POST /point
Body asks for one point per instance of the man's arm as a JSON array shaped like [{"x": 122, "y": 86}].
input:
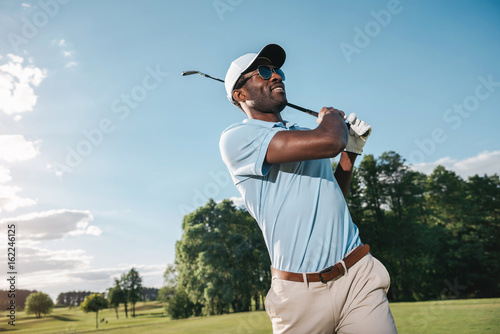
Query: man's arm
[
  {"x": 358, "y": 134},
  {"x": 326, "y": 141},
  {"x": 343, "y": 173}
]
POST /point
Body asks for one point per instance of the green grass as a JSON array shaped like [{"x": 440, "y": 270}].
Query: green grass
[{"x": 453, "y": 316}]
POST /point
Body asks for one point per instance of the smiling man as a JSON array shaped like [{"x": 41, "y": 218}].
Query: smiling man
[{"x": 324, "y": 279}]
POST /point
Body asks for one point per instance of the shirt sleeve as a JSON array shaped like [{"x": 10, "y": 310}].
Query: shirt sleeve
[{"x": 244, "y": 147}]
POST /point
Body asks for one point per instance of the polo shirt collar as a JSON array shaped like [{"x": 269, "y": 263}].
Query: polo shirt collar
[{"x": 287, "y": 125}]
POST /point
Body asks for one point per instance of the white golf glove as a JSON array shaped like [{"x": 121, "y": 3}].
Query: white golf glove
[{"x": 359, "y": 132}]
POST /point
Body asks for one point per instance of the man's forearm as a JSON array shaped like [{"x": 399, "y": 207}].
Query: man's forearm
[{"x": 343, "y": 173}]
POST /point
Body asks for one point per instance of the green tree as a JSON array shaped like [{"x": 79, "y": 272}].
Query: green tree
[
  {"x": 94, "y": 303},
  {"x": 446, "y": 199},
  {"x": 39, "y": 303},
  {"x": 355, "y": 199},
  {"x": 169, "y": 284},
  {"x": 437, "y": 235},
  {"x": 389, "y": 208},
  {"x": 468, "y": 212},
  {"x": 122, "y": 282},
  {"x": 132, "y": 284},
  {"x": 220, "y": 259},
  {"x": 483, "y": 194},
  {"x": 408, "y": 254},
  {"x": 116, "y": 296},
  {"x": 179, "y": 305}
]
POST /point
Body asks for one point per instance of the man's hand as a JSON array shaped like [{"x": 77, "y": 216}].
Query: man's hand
[
  {"x": 329, "y": 110},
  {"x": 359, "y": 132}
]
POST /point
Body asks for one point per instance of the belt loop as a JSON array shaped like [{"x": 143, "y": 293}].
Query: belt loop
[
  {"x": 306, "y": 281},
  {"x": 345, "y": 267}
]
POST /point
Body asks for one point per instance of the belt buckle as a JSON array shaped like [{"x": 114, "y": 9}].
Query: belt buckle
[{"x": 324, "y": 271}]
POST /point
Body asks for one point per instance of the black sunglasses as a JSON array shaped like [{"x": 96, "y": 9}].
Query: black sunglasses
[{"x": 265, "y": 73}]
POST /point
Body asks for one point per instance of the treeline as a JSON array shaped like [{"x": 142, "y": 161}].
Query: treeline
[
  {"x": 127, "y": 290},
  {"x": 72, "y": 298},
  {"x": 438, "y": 236},
  {"x": 75, "y": 298},
  {"x": 20, "y": 298},
  {"x": 149, "y": 294}
]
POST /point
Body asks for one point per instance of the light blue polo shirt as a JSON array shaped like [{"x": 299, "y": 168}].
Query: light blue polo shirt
[{"x": 299, "y": 206}]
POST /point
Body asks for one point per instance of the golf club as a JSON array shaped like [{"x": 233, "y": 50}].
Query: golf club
[{"x": 307, "y": 111}]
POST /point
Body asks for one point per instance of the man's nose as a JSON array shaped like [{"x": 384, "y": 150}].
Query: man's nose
[{"x": 276, "y": 77}]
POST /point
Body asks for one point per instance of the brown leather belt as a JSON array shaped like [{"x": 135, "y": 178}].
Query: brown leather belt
[{"x": 326, "y": 274}]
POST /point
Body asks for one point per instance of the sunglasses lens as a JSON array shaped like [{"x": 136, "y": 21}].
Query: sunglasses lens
[
  {"x": 265, "y": 72},
  {"x": 280, "y": 73}
]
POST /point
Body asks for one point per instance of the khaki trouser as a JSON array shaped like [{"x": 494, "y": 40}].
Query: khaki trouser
[{"x": 355, "y": 303}]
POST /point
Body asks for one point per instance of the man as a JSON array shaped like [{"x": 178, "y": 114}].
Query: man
[{"x": 324, "y": 279}]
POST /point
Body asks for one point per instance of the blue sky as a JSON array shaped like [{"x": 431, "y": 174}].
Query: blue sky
[{"x": 105, "y": 146}]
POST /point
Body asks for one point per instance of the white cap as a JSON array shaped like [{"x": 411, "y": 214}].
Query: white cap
[{"x": 273, "y": 52}]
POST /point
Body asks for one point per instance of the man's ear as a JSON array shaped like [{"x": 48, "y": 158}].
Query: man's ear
[{"x": 239, "y": 95}]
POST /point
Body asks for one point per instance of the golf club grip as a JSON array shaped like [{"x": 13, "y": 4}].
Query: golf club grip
[
  {"x": 313, "y": 113},
  {"x": 307, "y": 111}
]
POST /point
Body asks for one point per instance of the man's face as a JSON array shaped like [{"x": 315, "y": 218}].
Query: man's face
[{"x": 266, "y": 96}]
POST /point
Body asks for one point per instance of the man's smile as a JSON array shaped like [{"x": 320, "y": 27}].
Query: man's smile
[{"x": 279, "y": 87}]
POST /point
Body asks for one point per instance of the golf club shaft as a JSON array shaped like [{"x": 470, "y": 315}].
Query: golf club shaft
[{"x": 307, "y": 111}]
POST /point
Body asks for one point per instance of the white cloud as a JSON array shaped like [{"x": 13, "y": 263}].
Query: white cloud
[
  {"x": 116, "y": 271},
  {"x": 93, "y": 230},
  {"x": 17, "y": 83},
  {"x": 484, "y": 163},
  {"x": 10, "y": 200},
  {"x": 54, "y": 224},
  {"x": 26, "y": 5},
  {"x": 238, "y": 201},
  {"x": 14, "y": 148},
  {"x": 17, "y": 148},
  {"x": 67, "y": 52},
  {"x": 4, "y": 175},
  {"x": 428, "y": 167},
  {"x": 35, "y": 259}
]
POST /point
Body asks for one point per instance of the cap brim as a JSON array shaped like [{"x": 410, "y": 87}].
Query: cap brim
[{"x": 273, "y": 52}]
